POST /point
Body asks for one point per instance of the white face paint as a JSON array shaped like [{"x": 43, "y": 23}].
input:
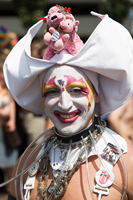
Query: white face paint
[{"x": 66, "y": 96}]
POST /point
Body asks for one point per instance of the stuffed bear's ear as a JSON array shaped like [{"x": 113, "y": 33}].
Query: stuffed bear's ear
[{"x": 76, "y": 26}]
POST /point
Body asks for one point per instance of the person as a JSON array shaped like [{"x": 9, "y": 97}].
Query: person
[
  {"x": 8, "y": 155},
  {"x": 33, "y": 123},
  {"x": 121, "y": 120},
  {"x": 80, "y": 157}
]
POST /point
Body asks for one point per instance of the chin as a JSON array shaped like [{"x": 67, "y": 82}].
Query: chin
[{"x": 67, "y": 131}]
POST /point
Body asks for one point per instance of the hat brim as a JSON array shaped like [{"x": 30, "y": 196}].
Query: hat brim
[{"x": 108, "y": 52}]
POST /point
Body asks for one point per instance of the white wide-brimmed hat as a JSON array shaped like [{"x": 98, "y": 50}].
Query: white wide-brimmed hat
[{"x": 106, "y": 58}]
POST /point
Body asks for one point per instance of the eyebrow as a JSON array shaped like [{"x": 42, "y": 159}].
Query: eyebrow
[
  {"x": 48, "y": 87},
  {"x": 76, "y": 84}
]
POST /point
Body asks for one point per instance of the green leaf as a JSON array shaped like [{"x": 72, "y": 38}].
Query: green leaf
[{"x": 30, "y": 11}]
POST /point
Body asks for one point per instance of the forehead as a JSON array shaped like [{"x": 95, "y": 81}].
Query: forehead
[{"x": 62, "y": 71}]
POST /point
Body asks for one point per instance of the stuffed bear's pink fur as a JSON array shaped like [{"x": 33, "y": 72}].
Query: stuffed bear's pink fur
[{"x": 67, "y": 26}]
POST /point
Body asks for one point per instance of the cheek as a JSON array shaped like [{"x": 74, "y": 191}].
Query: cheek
[
  {"x": 90, "y": 89},
  {"x": 91, "y": 97},
  {"x": 50, "y": 104},
  {"x": 82, "y": 103}
]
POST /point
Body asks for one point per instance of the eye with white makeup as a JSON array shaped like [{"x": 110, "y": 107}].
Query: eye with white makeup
[
  {"x": 51, "y": 92},
  {"x": 75, "y": 91}
]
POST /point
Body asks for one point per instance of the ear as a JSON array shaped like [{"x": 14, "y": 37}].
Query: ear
[
  {"x": 97, "y": 99},
  {"x": 76, "y": 23},
  {"x": 76, "y": 26}
]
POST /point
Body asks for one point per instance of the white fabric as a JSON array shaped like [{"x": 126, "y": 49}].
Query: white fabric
[{"x": 108, "y": 54}]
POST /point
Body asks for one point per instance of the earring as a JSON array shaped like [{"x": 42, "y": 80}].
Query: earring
[
  {"x": 89, "y": 105},
  {"x": 44, "y": 104}
]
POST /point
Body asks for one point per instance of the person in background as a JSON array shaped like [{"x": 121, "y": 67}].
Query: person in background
[
  {"x": 33, "y": 123},
  {"x": 121, "y": 120},
  {"x": 8, "y": 155}
]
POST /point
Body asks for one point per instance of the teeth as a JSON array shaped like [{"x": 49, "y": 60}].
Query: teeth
[{"x": 67, "y": 116}]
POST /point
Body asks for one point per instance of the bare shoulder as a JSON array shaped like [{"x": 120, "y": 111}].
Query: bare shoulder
[
  {"x": 129, "y": 165},
  {"x": 129, "y": 159},
  {"x": 19, "y": 168},
  {"x": 129, "y": 155}
]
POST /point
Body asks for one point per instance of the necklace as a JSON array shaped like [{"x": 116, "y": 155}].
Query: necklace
[
  {"x": 43, "y": 167},
  {"x": 62, "y": 177},
  {"x": 76, "y": 137}
]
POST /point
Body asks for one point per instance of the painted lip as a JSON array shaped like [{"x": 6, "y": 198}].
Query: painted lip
[
  {"x": 67, "y": 120},
  {"x": 61, "y": 28}
]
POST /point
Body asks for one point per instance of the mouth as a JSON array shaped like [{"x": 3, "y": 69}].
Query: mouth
[
  {"x": 54, "y": 17},
  {"x": 55, "y": 21},
  {"x": 67, "y": 117},
  {"x": 61, "y": 27}
]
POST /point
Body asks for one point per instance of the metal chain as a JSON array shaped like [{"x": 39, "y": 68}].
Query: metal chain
[
  {"x": 66, "y": 176},
  {"x": 43, "y": 167}
]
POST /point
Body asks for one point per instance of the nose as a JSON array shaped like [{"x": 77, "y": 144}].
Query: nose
[
  {"x": 62, "y": 23},
  {"x": 65, "y": 102}
]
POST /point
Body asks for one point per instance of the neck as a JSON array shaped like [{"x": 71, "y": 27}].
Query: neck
[{"x": 77, "y": 137}]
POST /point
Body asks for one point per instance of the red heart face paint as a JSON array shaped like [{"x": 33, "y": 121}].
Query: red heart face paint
[{"x": 66, "y": 93}]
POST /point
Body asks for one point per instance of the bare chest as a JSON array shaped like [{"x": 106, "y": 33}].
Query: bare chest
[{"x": 81, "y": 185}]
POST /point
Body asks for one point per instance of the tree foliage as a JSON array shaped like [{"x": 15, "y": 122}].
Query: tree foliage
[
  {"x": 30, "y": 10},
  {"x": 116, "y": 9}
]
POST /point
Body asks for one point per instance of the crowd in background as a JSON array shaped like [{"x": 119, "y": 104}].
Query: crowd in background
[
  {"x": 23, "y": 126},
  {"x": 18, "y": 127}
]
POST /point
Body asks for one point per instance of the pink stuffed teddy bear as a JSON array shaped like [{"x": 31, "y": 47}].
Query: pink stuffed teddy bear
[{"x": 61, "y": 32}]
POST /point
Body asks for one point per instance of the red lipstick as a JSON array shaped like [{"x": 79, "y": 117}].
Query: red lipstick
[{"x": 64, "y": 119}]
